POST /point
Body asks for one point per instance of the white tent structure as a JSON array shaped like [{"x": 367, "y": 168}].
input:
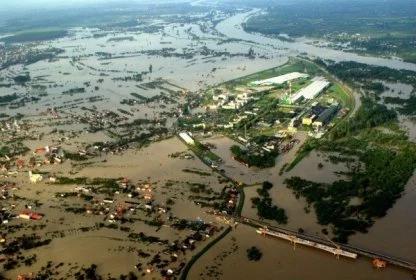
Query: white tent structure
[{"x": 280, "y": 79}]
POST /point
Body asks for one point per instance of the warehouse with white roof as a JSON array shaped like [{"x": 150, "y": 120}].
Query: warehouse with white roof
[
  {"x": 312, "y": 90},
  {"x": 280, "y": 79}
]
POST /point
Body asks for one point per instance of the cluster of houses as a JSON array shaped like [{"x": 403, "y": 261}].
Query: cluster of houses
[
  {"x": 30, "y": 215},
  {"x": 115, "y": 209},
  {"x": 41, "y": 156},
  {"x": 231, "y": 199},
  {"x": 9, "y": 125},
  {"x": 108, "y": 147},
  {"x": 21, "y": 53},
  {"x": 47, "y": 155},
  {"x": 7, "y": 213},
  {"x": 169, "y": 264},
  {"x": 100, "y": 120},
  {"x": 231, "y": 102},
  {"x": 281, "y": 142}
]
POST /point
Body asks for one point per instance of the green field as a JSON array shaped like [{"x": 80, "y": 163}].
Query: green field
[{"x": 337, "y": 92}]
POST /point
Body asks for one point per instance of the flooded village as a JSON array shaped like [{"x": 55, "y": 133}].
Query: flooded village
[{"x": 182, "y": 147}]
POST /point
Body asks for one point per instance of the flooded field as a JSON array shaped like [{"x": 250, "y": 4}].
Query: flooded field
[
  {"x": 116, "y": 253},
  {"x": 109, "y": 104},
  {"x": 282, "y": 196},
  {"x": 228, "y": 260}
]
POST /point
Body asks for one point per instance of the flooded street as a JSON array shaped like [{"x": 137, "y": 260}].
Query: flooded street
[{"x": 97, "y": 99}]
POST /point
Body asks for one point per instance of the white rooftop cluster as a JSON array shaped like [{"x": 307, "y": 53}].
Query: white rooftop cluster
[{"x": 280, "y": 79}]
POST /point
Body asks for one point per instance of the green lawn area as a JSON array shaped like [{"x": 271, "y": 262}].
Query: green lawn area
[
  {"x": 299, "y": 84},
  {"x": 201, "y": 151},
  {"x": 337, "y": 92},
  {"x": 408, "y": 56}
]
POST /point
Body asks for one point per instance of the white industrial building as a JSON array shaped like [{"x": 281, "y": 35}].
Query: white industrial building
[
  {"x": 312, "y": 90},
  {"x": 187, "y": 138},
  {"x": 280, "y": 79}
]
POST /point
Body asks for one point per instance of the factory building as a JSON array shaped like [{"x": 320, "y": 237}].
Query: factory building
[
  {"x": 311, "y": 91},
  {"x": 187, "y": 138},
  {"x": 280, "y": 79},
  {"x": 326, "y": 116},
  {"x": 313, "y": 114},
  {"x": 309, "y": 119}
]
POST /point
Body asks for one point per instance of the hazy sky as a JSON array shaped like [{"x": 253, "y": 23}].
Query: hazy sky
[
  {"x": 40, "y": 4},
  {"x": 6, "y": 5}
]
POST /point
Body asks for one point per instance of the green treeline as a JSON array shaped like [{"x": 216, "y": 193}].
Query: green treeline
[
  {"x": 408, "y": 106},
  {"x": 352, "y": 72},
  {"x": 265, "y": 207},
  {"x": 261, "y": 159},
  {"x": 8, "y": 98}
]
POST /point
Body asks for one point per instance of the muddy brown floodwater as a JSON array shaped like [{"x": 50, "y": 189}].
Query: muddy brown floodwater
[
  {"x": 392, "y": 235},
  {"x": 228, "y": 260}
]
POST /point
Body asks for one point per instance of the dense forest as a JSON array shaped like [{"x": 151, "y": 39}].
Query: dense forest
[{"x": 353, "y": 72}]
